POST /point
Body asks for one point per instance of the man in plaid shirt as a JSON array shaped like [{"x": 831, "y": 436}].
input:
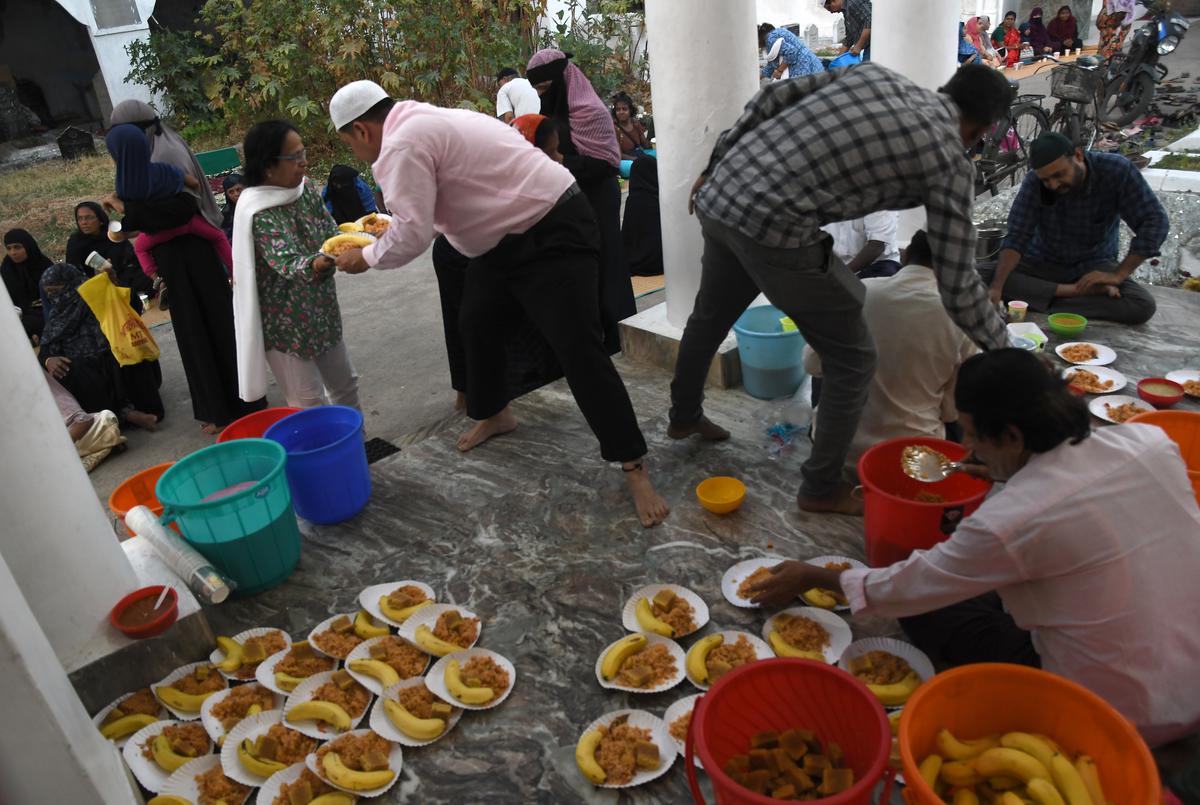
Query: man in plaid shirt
[
  {"x": 1061, "y": 252},
  {"x": 807, "y": 152},
  {"x": 857, "y": 16}
]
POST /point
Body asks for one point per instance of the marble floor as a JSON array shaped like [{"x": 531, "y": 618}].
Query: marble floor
[{"x": 535, "y": 534}]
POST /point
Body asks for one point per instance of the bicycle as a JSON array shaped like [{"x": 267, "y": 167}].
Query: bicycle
[
  {"x": 1005, "y": 150},
  {"x": 1079, "y": 89}
]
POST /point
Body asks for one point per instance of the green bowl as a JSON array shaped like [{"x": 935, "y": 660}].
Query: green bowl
[{"x": 1067, "y": 323}]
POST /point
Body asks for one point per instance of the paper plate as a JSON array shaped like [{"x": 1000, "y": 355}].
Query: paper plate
[
  {"x": 678, "y": 709},
  {"x": 436, "y": 678},
  {"x": 177, "y": 674},
  {"x": 912, "y": 655},
  {"x": 735, "y": 575},
  {"x": 323, "y": 626},
  {"x": 265, "y": 672},
  {"x": 699, "y": 608},
  {"x": 1182, "y": 376},
  {"x": 1104, "y": 355},
  {"x": 1118, "y": 380},
  {"x": 659, "y": 736},
  {"x": 383, "y": 725},
  {"x": 429, "y": 615},
  {"x": 761, "y": 650},
  {"x": 839, "y": 633},
  {"x": 1097, "y": 405},
  {"x": 821, "y": 561},
  {"x": 120, "y": 742},
  {"x": 363, "y": 652},
  {"x": 251, "y": 728},
  {"x": 368, "y": 599},
  {"x": 212, "y": 725},
  {"x": 271, "y": 788},
  {"x": 183, "y": 782},
  {"x": 395, "y": 763},
  {"x": 218, "y": 655},
  {"x": 383, "y": 216},
  {"x": 304, "y": 693},
  {"x": 147, "y": 772},
  {"x": 325, "y": 246},
  {"x": 651, "y": 639}
]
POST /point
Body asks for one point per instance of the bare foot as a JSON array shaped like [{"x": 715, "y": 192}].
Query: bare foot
[
  {"x": 651, "y": 508},
  {"x": 503, "y": 422},
  {"x": 840, "y": 501},
  {"x": 708, "y": 430},
  {"x": 210, "y": 428},
  {"x": 142, "y": 420},
  {"x": 460, "y": 401}
]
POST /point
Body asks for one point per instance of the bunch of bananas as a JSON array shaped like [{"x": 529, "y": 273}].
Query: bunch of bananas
[{"x": 1010, "y": 769}]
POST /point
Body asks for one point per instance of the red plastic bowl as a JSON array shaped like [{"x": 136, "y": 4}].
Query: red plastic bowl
[
  {"x": 155, "y": 627},
  {"x": 1161, "y": 400}
]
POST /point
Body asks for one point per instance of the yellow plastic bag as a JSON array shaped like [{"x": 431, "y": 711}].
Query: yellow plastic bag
[{"x": 127, "y": 334}]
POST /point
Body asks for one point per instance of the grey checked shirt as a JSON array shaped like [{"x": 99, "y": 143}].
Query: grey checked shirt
[
  {"x": 857, "y": 16},
  {"x": 836, "y": 146}
]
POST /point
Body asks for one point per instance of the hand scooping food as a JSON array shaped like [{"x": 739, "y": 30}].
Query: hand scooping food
[{"x": 928, "y": 465}]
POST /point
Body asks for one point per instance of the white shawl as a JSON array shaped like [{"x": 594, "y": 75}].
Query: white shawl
[{"x": 247, "y": 320}]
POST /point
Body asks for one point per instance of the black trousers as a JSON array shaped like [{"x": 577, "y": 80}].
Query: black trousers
[
  {"x": 549, "y": 272},
  {"x": 616, "y": 291},
  {"x": 975, "y": 630}
]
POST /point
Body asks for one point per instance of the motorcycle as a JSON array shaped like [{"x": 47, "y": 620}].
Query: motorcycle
[{"x": 1131, "y": 78}]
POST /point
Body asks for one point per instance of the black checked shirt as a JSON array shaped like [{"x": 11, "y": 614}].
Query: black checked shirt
[
  {"x": 857, "y": 16},
  {"x": 836, "y": 146}
]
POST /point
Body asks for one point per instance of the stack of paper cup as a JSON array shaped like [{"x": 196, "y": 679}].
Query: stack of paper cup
[{"x": 202, "y": 578}]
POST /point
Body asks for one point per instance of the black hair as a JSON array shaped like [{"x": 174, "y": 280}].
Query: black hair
[
  {"x": 376, "y": 114},
  {"x": 505, "y": 73},
  {"x": 983, "y": 95},
  {"x": 763, "y": 30},
  {"x": 1008, "y": 14},
  {"x": 1013, "y": 387},
  {"x": 545, "y": 129},
  {"x": 918, "y": 252},
  {"x": 261, "y": 149},
  {"x": 623, "y": 97}
]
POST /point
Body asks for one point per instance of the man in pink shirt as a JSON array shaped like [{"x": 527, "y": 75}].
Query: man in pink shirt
[
  {"x": 533, "y": 243},
  {"x": 1085, "y": 562}
]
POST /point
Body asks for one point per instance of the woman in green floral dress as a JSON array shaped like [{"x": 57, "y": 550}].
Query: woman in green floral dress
[{"x": 285, "y": 301}]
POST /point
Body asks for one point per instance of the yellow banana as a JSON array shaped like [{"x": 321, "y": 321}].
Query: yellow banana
[
  {"x": 783, "y": 648},
  {"x": 1069, "y": 782},
  {"x": 402, "y": 614},
  {"x": 286, "y": 681},
  {"x": 420, "y": 729},
  {"x": 183, "y": 702},
  {"x": 585, "y": 757},
  {"x": 1091, "y": 778},
  {"x": 930, "y": 768},
  {"x": 253, "y": 710},
  {"x": 344, "y": 777},
  {"x": 355, "y": 239},
  {"x": 894, "y": 721},
  {"x": 366, "y": 627},
  {"x": 255, "y": 765},
  {"x": 1030, "y": 745},
  {"x": 1050, "y": 742},
  {"x": 334, "y": 798},
  {"x": 1044, "y": 793},
  {"x": 1009, "y": 798},
  {"x": 332, "y": 714},
  {"x": 233, "y": 654},
  {"x": 954, "y": 749},
  {"x": 698, "y": 653},
  {"x": 385, "y": 673},
  {"x": 648, "y": 621},
  {"x": 897, "y": 693},
  {"x": 167, "y": 758},
  {"x": 820, "y": 598},
  {"x": 610, "y": 665},
  {"x": 960, "y": 773},
  {"x": 965, "y": 796},
  {"x": 126, "y": 725},
  {"x": 170, "y": 799},
  {"x": 1003, "y": 783},
  {"x": 350, "y": 226},
  {"x": 430, "y": 643},
  {"x": 459, "y": 690},
  {"x": 1005, "y": 762}
]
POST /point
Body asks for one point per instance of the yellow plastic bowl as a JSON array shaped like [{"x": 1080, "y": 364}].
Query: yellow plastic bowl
[{"x": 721, "y": 494}]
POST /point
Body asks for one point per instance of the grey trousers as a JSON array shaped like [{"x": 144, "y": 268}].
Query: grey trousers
[
  {"x": 825, "y": 301},
  {"x": 1036, "y": 281},
  {"x": 306, "y": 383}
]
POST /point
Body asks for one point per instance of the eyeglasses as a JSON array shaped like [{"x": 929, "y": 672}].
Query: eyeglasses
[{"x": 299, "y": 156}]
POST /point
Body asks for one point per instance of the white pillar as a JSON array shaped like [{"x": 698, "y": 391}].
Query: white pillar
[
  {"x": 703, "y": 69},
  {"x": 56, "y": 538},
  {"x": 111, "y": 55}
]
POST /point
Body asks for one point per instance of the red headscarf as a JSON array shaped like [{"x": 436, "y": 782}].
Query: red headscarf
[{"x": 528, "y": 126}]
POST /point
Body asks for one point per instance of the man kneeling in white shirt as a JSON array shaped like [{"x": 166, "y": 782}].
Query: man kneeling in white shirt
[
  {"x": 920, "y": 349},
  {"x": 1084, "y": 563},
  {"x": 868, "y": 246}
]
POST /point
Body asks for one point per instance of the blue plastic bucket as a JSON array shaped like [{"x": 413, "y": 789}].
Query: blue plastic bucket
[
  {"x": 326, "y": 462},
  {"x": 772, "y": 358},
  {"x": 847, "y": 59},
  {"x": 233, "y": 506}
]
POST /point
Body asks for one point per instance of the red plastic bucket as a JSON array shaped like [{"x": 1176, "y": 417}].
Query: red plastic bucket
[
  {"x": 253, "y": 426},
  {"x": 895, "y": 522},
  {"x": 781, "y": 694}
]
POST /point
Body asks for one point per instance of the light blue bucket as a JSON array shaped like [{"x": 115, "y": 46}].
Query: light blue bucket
[{"x": 772, "y": 358}]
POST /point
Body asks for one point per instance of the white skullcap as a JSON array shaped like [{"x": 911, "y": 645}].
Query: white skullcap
[{"x": 353, "y": 100}]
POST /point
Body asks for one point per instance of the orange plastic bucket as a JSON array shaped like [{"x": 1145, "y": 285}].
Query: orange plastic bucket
[
  {"x": 1184, "y": 429},
  {"x": 253, "y": 426},
  {"x": 138, "y": 490},
  {"x": 977, "y": 700},
  {"x": 778, "y": 695},
  {"x": 894, "y": 522}
]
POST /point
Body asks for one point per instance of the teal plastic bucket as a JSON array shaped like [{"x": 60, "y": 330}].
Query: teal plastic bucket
[
  {"x": 233, "y": 505},
  {"x": 772, "y": 358}
]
